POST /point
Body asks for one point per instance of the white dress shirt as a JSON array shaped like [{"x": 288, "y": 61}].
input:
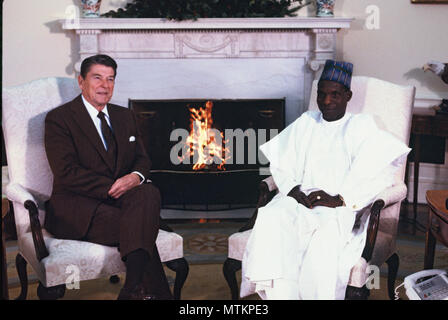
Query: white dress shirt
[{"x": 93, "y": 112}]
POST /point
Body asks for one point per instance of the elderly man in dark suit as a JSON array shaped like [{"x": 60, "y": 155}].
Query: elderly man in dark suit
[{"x": 100, "y": 168}]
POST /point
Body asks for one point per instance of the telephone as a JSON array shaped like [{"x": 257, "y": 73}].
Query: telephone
[{"x": 427, "y": 285}]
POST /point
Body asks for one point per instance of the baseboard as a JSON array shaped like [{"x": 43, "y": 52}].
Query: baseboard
[
  {"x": 431, "y": 177},
  {"x": 426, "y": 102}
]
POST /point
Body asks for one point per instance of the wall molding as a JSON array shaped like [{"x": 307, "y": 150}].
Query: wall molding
[{"x": 426, "y": 102}]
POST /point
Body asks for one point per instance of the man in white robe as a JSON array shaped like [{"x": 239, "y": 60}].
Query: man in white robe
[{"x": 329, "y": 166}]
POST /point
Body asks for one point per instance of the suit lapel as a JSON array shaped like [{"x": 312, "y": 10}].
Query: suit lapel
[{"x": 84, "y": 121}]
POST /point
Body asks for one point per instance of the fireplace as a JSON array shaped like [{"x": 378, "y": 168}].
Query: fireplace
[{"x": 227, "y": 182}]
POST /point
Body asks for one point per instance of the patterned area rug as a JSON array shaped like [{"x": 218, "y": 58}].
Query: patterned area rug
[{"x": 206, "y": 243}]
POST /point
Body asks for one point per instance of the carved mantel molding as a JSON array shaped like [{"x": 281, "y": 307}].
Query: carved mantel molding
[
  {"x": 206, "y": 23},
  {"x": 310, "y": 38}
]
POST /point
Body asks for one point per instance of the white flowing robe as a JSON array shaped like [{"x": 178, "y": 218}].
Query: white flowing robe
[{"x": 298, "y": 253}]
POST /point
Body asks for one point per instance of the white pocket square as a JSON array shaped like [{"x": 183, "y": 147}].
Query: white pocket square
[{"x": 131, "y": 139}]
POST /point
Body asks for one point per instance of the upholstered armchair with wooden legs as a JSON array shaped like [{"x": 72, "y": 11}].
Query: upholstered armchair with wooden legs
[
  {"x": 391, "y": 105},
  {"x": 56, "y": 261}
]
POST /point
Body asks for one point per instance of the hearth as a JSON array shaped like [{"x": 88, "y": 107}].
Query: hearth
[{"x": 230, "y": 178}]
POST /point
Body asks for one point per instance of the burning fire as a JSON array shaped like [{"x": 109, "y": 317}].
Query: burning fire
[{"x": 204, "y": 143}]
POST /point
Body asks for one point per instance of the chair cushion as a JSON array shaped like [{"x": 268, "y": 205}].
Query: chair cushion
[
  {"x": 359, "y": 274},
  {"x": 92, "y": 260},
  {"x": 170, "y": 246},
  {"x": 237, "y": 245}
]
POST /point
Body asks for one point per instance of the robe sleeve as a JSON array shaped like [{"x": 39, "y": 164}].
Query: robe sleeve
[
  {"x": 376, "y": 157},
  {"x": 285, "y": 154}
]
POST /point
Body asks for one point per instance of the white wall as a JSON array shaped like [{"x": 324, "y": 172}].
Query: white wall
[
  {"x": 408, "y": 36},
  {"x": 34, "y": 44}
]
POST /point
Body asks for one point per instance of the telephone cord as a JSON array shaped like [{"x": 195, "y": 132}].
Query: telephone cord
[{"x": 396, "y": 291}]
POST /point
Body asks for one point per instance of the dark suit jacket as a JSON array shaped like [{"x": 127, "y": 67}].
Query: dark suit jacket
[{"x": 78, "y": 159}]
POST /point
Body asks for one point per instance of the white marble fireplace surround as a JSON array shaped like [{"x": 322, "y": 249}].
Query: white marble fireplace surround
[
  {"x": 231, "y": 58},
  {"x": 249, "y": 58}
]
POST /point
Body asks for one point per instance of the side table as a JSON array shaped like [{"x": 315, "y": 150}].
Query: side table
[
  {"x": 425, "y": 122},
  {"x": 439, "y": 213},
  {"x": 5, "y": 295}
]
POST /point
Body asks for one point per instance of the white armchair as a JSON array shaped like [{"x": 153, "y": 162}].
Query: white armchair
[
  {"x": 52, "y": 259},
  {"x": 391, "y": 105}
]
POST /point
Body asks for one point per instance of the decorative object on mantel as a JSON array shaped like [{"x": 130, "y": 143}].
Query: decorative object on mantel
[
  {"x": 194, "y": 9},
  {"x": 440, "y": 69},
  {"x": 324, "y": 8},
  {"x": 90, "y": 8}
]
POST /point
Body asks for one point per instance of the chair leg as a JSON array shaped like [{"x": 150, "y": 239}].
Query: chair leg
[
  {"x": 23, "y": 277},
  {"x": 230, "y": 267},
  {"x": 51, "y": 293},
  {"x": 392, "y": 263},
  {"x": 180, "y": 266}
]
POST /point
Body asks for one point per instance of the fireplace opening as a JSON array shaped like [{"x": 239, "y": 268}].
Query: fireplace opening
[{"x": 234, "y": 129}]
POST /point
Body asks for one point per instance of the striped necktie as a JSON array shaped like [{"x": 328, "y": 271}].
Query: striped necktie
[{"x": 108, "y": 135}]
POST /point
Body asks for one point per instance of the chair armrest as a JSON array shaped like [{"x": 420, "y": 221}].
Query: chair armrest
[
  {"x": 270, "y": 183},
  {"x": 164, "y": 226},
  {"x": 387, "y": 197},
  {"x": 16, "y": 193},
  {"x": 372, "y": 230},
  {"x": 267, "y": 190},
  {"x": 393, "y": 194}
]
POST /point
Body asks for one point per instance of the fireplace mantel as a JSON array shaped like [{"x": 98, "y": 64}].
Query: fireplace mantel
[
  {"x": 150, "y": 38},
  {"x": 206, "y": 23}
]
